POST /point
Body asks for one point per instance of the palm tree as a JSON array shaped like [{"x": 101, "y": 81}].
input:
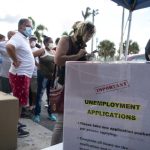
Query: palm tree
[
  {"x": 65, "y": 33},
  {"x": 87, "y": 13},
  {"x": 106, "y": 49},
  {"x": 39, "y": 29},
  {"x": 133, "y": 47},
  {"x": 33, "y": 22},
  {"x": 39, "y": 32},
  {"x": 94, "y": 13}
]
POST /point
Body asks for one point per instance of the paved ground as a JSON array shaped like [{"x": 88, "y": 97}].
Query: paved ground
[
  {"x": 45, "y": 122},
  {"x": 40, "y": 134},
  {"x": 40, "y": 137}
]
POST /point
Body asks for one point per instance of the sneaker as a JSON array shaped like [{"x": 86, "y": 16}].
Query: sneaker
[
  {"x": 22, "y": 133},
  {"x": 26, "y": 114},
  {"x": 46, "y": 106},
  {"x": 20, "y": 125},
  {"x": 52, "y": 117},
  {"x": 36, "y": 118}
]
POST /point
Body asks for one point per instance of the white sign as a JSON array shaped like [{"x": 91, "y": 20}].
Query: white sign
[
  {"x": 55, "y": 147},
  {"x": 107, "y": 106}
]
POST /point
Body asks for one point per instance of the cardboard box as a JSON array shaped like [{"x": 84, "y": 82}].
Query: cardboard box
[{"x": 9, "y": 108}]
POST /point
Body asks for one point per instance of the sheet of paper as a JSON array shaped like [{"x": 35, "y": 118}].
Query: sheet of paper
[{"x": 107, "y": 106}]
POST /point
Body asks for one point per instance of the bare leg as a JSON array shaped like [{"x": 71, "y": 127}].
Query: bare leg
[{"x": 57, "y": 136}]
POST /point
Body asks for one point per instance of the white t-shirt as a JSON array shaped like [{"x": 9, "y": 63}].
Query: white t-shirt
[
  {"x": 5, "y": 66},
  {"x": 24, "y": 55},
  {"x": 37, "y": 60}
]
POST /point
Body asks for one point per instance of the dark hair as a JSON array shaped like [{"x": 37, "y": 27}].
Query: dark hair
[
  {"x": 90, "y": 27},
  {"x": 80, "y": 29},
  {"x": 22, "y": 21},
  {"x": 46, "y": 39},
  {"x": 2, "y": 36},
  {"x": 83, "y": 27}
]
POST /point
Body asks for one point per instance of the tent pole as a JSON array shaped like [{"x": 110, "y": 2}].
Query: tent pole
[
  {"x": 121, "y": 41},
  {"x": 129, "y": 27}
]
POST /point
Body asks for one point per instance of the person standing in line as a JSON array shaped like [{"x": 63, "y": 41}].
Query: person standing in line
[
  {"x": 22, "y": 66},
  {"x": 5, "y": 86},
  {"x": 147, "y": 51},
  {"x": 56, "y": 43},
  {"x": 2, "y": 37},
  {"x": 33, "y": 83},
  {"x": 43, "y": 83},
  {"x": 70, "y": 48}
]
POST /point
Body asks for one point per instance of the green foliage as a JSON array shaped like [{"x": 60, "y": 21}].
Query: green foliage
[
  {"x": 87, "y": 13},
  {"x": 38, "y": 30},
  {"x": 106, "y": 49},
  {"x": 95, "y": 12},
  {"x": 38, "y": 35},
  {"x": 41, "y": 27},
  {"x": 33, "y": 22},
  {"x": 133, "y": 47},
  {"x": 65, "y": 33}
]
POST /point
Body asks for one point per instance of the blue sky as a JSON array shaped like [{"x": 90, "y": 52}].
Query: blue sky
[{"x": 59, "y": 15}]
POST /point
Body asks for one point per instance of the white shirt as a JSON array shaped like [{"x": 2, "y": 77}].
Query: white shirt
[
  {"x": 5, "y": 66},
  {"x": 24, "y": 55},
  {"x": 37, "y": 60}
]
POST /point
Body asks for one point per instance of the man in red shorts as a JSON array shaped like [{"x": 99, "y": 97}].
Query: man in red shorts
[{"x": 22, "y": 66}]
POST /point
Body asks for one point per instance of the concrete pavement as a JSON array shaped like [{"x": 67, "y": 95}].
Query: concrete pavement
[
  {"x": 40, "y": 134},
  {"x": 39, "y": 138}
]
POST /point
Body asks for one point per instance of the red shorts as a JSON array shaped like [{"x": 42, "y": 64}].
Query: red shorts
[{"x": 20, "y": 87}]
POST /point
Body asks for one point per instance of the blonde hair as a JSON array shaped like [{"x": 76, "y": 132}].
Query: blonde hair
[{"x": 80, "y": 28}]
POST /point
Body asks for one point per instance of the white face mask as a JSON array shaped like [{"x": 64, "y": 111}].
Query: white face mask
[
  {"x": 51, "y": 45},
  {"x": 33, "y": 43},
  {"x": 28, "y": 31}
]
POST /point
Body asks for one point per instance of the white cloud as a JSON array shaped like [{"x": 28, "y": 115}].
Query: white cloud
[
  {"x": 9, "y": 18},
  {"x": 59, "y": 15}
]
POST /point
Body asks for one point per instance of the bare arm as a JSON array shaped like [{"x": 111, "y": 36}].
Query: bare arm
[
  {"x": 12, "y": 54},
  {"x": 61, "y": 51},
  {"x": 38, "y": 52}
]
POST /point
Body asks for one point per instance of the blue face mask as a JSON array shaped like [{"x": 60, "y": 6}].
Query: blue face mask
[{"x": 28, "y": 31}]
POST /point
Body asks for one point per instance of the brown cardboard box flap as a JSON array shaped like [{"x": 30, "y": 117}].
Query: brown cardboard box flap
[{"x": 9, "y": 110}]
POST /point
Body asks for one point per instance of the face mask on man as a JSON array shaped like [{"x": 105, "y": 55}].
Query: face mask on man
[
  {"x": 51, "y": 45},
  {"x": 28, "y": 31},
  {"x": 33, "y": 43}
]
